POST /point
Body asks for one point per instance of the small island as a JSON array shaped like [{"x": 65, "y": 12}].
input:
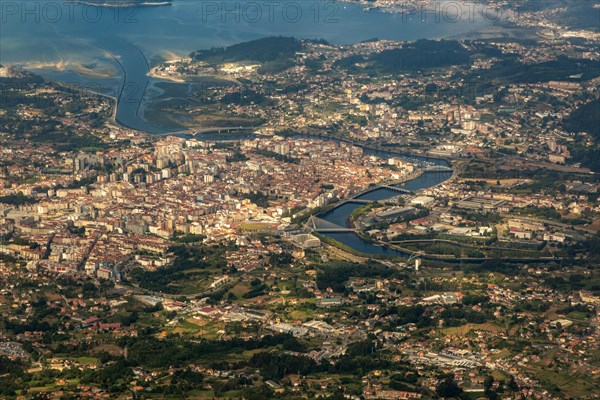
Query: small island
[{"x": 122, "y": 3}]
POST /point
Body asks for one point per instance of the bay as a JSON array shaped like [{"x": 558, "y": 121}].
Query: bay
[{"x": 110, "y": 49}]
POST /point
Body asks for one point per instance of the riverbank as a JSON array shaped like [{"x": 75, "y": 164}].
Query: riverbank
[
  {"x": 366, "y": 146},
  {"x": 340, "y": 212},
  {"x": 153, "y": 73},
  {"x": 86, "y": 70},
  {"x": 349, "y": 250}
]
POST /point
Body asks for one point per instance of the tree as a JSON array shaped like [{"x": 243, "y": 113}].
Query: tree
[
  {"x": 448, "y": 388},
  {"x": 487, "y": 383},
  {"x": 512, "y": 385}
]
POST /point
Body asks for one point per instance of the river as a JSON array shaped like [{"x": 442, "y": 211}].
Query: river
[
  {"x": 111, "y": 49},
  {"x": 340, "y": 215}
]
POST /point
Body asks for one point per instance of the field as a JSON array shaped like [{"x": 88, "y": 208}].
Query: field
[
  {"x": 88, "y": 360},
  {"x": 572, "y": 383},
  {"x": 109, "y": 348},
  {"x": 463, "y": 330},
  {"x": 239, "y": 290},
  {"x": 510, "y": 182},
  {"x": 189, "y": 105},
  {"x": 254, "y": 226}
]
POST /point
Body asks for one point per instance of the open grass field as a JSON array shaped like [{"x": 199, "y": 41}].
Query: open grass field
[
  {"x": 501, "y": 354},
  {"x": 54, "y": 387},
  {"x": 188, "y": 326},
  {"x": 301, "y": 315},
  {"x": 52, "y": 296},
  {"x": 254, "y": 226},
  {"x": 198, "y": 395},
  {"x": 88, "y": 360},
  {"x": 572, "y": 383},
  {"x": 191, "y": 286},
  {"x": 463, "y": 330},
  {"x": 239, "y": 290},
  {"x": 109, "y": 348},
  {"x": 494, "y": 182}
]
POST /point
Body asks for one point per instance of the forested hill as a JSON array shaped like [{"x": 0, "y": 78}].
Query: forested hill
[
  {"x": 422, "y": 54},
  {"x": 262, "y": 50},
  {"x": 415, "y": 56},
  {"x": 585, "y": 119}
]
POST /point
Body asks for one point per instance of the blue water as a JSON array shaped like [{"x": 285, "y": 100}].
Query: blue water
[
  {"x": 54, "y": 38},
  {"x": 46, "y": 30},
  {"x": 379, "y": 194},
  {"x": 341, "y": 214},
  {"x": 354, "y": 241}
]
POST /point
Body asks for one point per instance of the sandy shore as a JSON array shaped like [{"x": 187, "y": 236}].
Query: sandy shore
[
  {"x": 101, "y": 72},
  {"x": 153, "y": 74},
  {"x": 191, "y": 78}
]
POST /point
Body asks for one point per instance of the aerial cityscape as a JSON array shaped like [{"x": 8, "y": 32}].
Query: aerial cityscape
[{"x": 349, "y": 199}]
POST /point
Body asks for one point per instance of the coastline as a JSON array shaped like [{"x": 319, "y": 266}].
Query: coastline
[
  {"x": 152, "y": 74},
  {"x": 106, "y": 72},
  {"x": 121, "y": 5}
]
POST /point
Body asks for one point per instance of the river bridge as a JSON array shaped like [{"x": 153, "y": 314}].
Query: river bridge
[
  {"x": 438, "y": 168},
  {"x": 320, "y": 225},
  {"x": 210, "y": 129},
  {"x": 391, "y": 185},
  {"x": 397, "y": 189},
  {"x": 223, "y": 129},
  {"x": 358, "y": 201}
]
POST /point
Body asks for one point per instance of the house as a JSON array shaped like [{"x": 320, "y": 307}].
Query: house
[
  {"x": 330, "y": 302},
  {"x": 554, "y": 237},
  {"x": 277, "y": 388},
  {"x": 521, "y": 234},
  {"x": 422, "y": 201}
]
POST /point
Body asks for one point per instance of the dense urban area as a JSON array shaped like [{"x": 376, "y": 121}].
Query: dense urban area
[{"x": 209, "y": 263}]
